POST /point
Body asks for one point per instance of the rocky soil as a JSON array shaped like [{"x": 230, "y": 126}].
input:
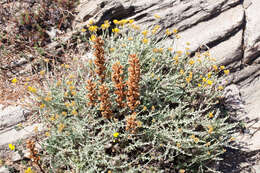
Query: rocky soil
[{"x": 230, "y": 28}]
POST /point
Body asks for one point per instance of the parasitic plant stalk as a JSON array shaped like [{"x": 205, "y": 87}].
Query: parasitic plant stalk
[
  {"x": 34, "y": 156},
  {"x": 92, "y": 93},
  {"x": 133, "y": 82},
  {"x": 100, "y": 59},
  {"x": 105, "y": 102},
  {"x": 118, "y": 79}
]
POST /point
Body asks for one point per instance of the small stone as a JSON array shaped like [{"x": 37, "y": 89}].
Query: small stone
[{"x": 15, "y": 156}]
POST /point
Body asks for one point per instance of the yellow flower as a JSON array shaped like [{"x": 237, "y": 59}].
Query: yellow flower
[
  {"x": 211, "y": 115},
  {"x": 209, "y": 82},
  {"x": 12, "y": 147},
  {"x": 199, "y": 85},
  {"x": 131, "y": 21},
  {"x": 91, "y": 22},
  {"x": 83, "y": 30},
  {"x": 61, "y": 127},
  {"x": 64, "y": 113},
  {"x": 220, "y": 88},
  {"x": 66, "y": 94},
  {"x": 207, "y": 144},
  {"x": 58, "y": 83},
  {"x": 14, "y": 80},
  {"x": 29, "y": 170},
  {"x": 71, "y": 76},
  {"x": 196, "y": 140},
  {"x": 35, "y": 129},
  {"x": 175, "y": 31},
  {"x": 222, "y": 67},
  {"x": 177, "y": 36},
  {"x": 116, "y": 134},
  {"x": 178, "y": 145},
  {"x": 157, "y": 16},
  {"x": 123, "y": 22},
  {"x": 116, "y": 30},
  {"x": 67, "y": 66},
  {"x": 161, "y": 50},
  {"x": 130, "y": 38},
  {"x": 179, "y": 52},
  {"x": 93, "y": 28},
  {"x": 191, "y": 62},
  {"x": 112, "y": 49},
  {"x": 181, "y": 72},
  {"x": 42, "y": 106},
  {"x": 153, "y": 108},
  {"x": 153, "y": 59},
  {"x": 168, "y": 32},
  {"x": 204, "y": 79},
  {"x": 145, "y": 32},
  {"x": 155, "y": 50},
  {"x": 93, "y": 38},
  {"x": 181, "y": 171},
  {"x": 72, "y": 87},
  {"x": 48, "y": 98},
  {"x": 47, "y": 134},
  {"x": 144, "y": 108},
  {"x": 69, "y": 82},
  {"x": 232, "y": 139},
  {"x": 210, "y": 129},
  {"x": 42, "y": 72},
  {"x": 32, "y": 89},
  {"x": 170, "y": 49},
  {"x": 215, "y": 67},
  {"x": 176, "y": 58},
  {"x": 67, "y": 104},
  {"x": 152, "y": 75},
  {"x": 226, "y": 72},
  {"x": 209, "y": 74},
  {"x": 52, "y": 118},
  {"x": 139, "y": 123},
  {"x": 153, "y": 120},
  {"x": 73, "y": 93},
  {"x": 208, "y": 153},
  {"x": 145, "y": 41},
  {"x": 105, "y": 26},
  {"x": 74, "y": 112},
  {"x": 187, "y": 43},
  {"x": 115, "y": 21},
  {"x": 188, "y": 79}
]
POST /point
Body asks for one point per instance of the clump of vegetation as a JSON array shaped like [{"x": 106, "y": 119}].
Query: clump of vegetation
[{"x": 134, "y": 105}]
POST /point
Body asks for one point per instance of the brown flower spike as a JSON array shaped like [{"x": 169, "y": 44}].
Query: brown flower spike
[
  {"x": 92, "y": 93},
  {"x": 131, "y": 123},
  {"x": 100, "y": 59},
  {"x": 105, "y": 102},
  {"x": 34, "y": 155},
  {"x": 118, "y": 79},
  {"x": 133, "y": 82}
]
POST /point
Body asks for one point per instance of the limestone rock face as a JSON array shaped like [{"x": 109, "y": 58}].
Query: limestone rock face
[
  {"x": 11, "y": 115},
  {"x": 230, "y": 28},
  {"x": 252, "y": 34}
]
